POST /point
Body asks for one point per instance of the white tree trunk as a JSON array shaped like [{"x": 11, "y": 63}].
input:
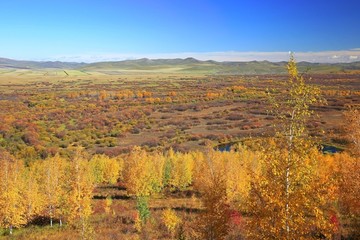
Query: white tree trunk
[{"x": 287, "y": 180}]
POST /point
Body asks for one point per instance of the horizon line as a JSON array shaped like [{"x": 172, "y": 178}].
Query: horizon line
[{"x": 336, "y": 56}]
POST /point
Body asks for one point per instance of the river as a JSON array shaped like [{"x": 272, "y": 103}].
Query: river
[{"x": 325, "y": 148}]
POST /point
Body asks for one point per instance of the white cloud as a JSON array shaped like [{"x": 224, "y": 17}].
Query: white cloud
[{"x": 321, "y": 57}]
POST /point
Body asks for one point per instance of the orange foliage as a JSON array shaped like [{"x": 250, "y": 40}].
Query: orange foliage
[
  {"x": 172, "y": 94},
  {"x": 211, "y": 95},
  {"x": 152, "y": 100},
  {"x": 237, "y": 89},
  {"x": 103, "y": 95},
  {"x": 124, "y": 94}
]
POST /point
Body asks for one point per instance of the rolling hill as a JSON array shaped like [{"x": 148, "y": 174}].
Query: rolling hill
[
  {"x": 18, "y": 64},
  {"x": 187, "y": 65},
  {"x": 191, "y": 65}
]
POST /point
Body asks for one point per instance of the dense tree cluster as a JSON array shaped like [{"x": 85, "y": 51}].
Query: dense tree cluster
[{"x": 247, "y": 181}]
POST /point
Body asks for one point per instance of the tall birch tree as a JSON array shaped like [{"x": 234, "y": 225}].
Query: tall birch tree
[
  {"x": 79, "y": 195},
  {"x": 12, "y": 206},
  {"x": 283, "y": 202}
]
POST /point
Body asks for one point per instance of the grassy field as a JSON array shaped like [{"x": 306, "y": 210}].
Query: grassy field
[{"x": 215, "y": 107}]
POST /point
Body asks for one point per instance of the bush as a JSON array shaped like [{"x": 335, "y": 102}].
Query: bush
[
  {"x": 170, "y": 220},
  {"x": 235, "y": 117},
  {"x": 143, "y": 208}
]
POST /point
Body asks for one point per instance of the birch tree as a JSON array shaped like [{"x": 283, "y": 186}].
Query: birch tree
[
  {"x": 352, "y": 120},
  {"x": 12, "y": 208},
  {"x": 350, "y": 175},
  {"x": 143, "y": 176},
  {"x": 213, "y": 222},
  {"x": 283, "y": 202},
  {"x": 32, "y": 191},
  {"x": 53, "y": 181},
  {"x": 79, "y": 195},
  {"x": 181, "y": 169}
]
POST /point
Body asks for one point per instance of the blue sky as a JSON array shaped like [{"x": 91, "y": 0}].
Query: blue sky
[{"x": 101, "y": 29}]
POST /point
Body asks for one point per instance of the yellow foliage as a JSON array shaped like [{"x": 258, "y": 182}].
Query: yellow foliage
[
  {"x": 138, "y": 223},
  {"x": 124, "y": 94},
  {"x": 168, "y": 99},
  {"x": 152, "y": 100},
  {"x": 349, "y": 183},
  {"x": 237, "y": 88},
  {"x": 80, "y": 187},
  {"x": 73, "y": 95},
  {"x": 53, "y": 183},
  {"x": 211, "y": 95},
  {"x": 108, "y": 203},
  {"x": 103, "y": 95},
  {"x": 238, "y": 179},
  {"x": 170, "y": 220},
  {"x": 352, "y": 119},
  {"x": 287, "y": 213},
  {"x": 143, "y": 94},
  {"x": 143, "y": 172},
  {"x": 33, "y": 194},
  {"x": 292, "y": 68},
  {"x": 181, "y": 170},
  {"x": 214, "y": 221},
  {"x": 286, "y": 200},
  {"x": 12, "y": 205},
  {"x": 234, "y": 166},
  {"x": 105, "y": 169}
]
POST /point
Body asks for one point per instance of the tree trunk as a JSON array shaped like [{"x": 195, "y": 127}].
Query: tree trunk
[
  {"x": 51, "y": 214},
  {"x": 287, "y": 181}
]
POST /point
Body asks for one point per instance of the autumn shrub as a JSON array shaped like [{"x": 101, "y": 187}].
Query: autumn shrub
[
  {"x": 151, "y": 143},
  {"x": 31, "y": 138},
  {"x": 214, "y": 137},
  {"x": 213, "y": 222},
  {"x": 245, "y": 127},
  {"x": 194, "y": 137},
  {"x": 107, "y": 205},
  {"x": 170, "y": 220},
  {"x": 235, "y": 117},
  {"x": 143, "y": 208},
  {"x": 178, "y": 147},
  {"x": 181, "y": 108}
]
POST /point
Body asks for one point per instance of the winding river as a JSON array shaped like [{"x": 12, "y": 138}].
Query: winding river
[{"x": 326, "y": 148}]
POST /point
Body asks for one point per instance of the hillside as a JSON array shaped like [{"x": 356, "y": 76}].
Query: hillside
[
  {"x": 187, "y": 65},
  {"x": 16, "y": 64},
  {"x": 191, "y": 65}
]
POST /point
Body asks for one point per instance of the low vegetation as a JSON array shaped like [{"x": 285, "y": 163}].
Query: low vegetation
[{"x": 134, "y": 158}]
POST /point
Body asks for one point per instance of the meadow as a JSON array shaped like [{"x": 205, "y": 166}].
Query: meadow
[
  {"x": 145, "y": 142},
  {"x": 111, "y": 113}
]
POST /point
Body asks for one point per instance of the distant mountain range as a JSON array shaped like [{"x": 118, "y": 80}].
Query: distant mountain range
[
  {"x": 187, "y": 65},
  {"x": 10, "y": 63}
]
